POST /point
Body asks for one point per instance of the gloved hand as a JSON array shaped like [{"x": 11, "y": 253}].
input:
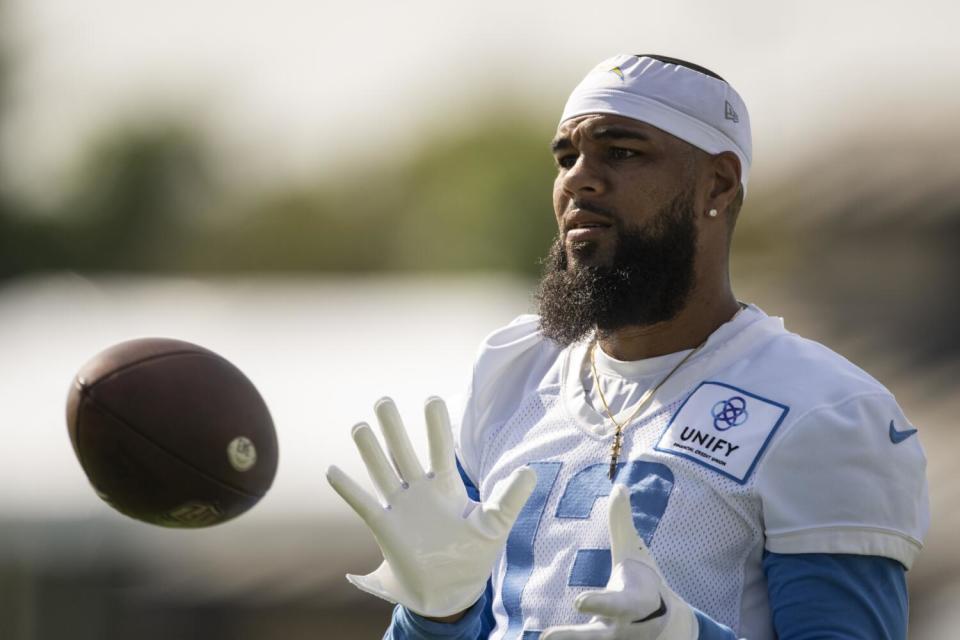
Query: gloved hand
[
  {"x": 637, "y": 603},
  {"x": 438, "y": 545}
]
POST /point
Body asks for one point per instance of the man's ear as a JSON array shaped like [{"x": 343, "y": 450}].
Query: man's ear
[{"x": 725, "y": 180}]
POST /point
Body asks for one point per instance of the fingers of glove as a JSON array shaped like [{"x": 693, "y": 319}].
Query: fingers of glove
[
  {"x": 439, "y": 435},
  {"x": 625, "y": 542},
  {"x": 381, "y": 471},
  {"x": 589, "y": 631},
  {"x": 627, "y": 604},
  {"x": 398, "y": 443},
  {"x": 354, "y": 495},
  {"x": 507, "y": 499}
]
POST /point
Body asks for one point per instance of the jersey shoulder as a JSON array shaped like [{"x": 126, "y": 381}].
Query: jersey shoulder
[
  {"x": 842, "y": 474},
  {"x": 808, "y": 375},
  {"x": 511, "y": 362},
  {"x": 512, "y": 359}
]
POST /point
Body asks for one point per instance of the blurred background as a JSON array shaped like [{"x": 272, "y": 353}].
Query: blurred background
[{"x": 344, "y": 198}]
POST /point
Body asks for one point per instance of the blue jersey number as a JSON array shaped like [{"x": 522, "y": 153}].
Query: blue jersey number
[{"x": 650, "y": 484}]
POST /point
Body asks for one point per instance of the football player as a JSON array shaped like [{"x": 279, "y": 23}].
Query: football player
[{"x": 648, "y": 458}]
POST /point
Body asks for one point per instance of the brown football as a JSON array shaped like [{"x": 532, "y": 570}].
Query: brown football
[{"x": 171, "y": 433}]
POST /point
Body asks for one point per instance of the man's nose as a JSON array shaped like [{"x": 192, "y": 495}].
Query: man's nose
[{"x": 584, "y": 177}]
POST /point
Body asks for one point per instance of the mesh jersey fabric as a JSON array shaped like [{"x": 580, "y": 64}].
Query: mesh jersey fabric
[{"x": 825, "y": 478}]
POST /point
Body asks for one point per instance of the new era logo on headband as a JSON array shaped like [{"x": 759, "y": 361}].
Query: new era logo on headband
[{"x": 729, "y": 113}]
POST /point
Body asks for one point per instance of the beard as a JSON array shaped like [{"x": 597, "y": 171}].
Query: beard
[{"x": 648, "y": 280}]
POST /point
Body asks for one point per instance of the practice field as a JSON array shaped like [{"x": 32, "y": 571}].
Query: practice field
[{"x": 321, "y": 352}]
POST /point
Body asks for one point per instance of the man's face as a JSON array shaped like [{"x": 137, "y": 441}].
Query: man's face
[
  {"x": 627, "y": 241},
  {"x": 613, "y": 174}
]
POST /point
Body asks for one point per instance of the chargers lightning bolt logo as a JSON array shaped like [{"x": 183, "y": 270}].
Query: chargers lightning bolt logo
[
  {"x": 617, "y": 71},
  {"x": 896, "y": 437}
]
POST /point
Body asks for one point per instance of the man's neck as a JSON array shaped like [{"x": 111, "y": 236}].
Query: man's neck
[{"x": 689, "y": 329}]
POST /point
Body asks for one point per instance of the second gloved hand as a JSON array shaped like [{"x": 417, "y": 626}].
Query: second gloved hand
[{"x": 637, "y": 603}]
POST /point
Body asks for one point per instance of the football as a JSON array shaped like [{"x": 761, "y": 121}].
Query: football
[{"x": 171, "y": 433}]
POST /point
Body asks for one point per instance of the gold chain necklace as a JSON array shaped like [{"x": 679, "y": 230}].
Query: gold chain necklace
[{"x": 641, "y": 405}]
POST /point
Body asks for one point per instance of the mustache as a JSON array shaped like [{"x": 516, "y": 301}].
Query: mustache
[{"x": 592, "y": 207}]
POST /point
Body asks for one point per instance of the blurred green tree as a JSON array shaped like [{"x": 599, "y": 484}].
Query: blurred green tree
[
  {"x": 478, "y": 200},
  {"x": 138, "y": 195},
  {"x": 475, "y": 199}
]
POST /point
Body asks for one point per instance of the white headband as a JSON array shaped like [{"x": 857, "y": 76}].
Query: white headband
[{"x": 695, "y": 107}]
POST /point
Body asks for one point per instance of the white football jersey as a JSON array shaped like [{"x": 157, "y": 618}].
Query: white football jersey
[{"x": 762, "y": 440}]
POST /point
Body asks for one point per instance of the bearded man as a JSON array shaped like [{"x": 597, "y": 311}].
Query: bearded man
[{"x": 648, "y": 458}]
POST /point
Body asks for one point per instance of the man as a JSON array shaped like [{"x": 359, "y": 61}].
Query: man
[{"x": 649, "y": 458}]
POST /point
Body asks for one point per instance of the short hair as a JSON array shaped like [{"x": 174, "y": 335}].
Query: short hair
[{"x": 682, "y": 63}]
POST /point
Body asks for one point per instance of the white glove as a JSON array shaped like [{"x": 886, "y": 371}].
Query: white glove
[
  {"x": 438, "y": 545},
  {"x": 637, "y": 603}
]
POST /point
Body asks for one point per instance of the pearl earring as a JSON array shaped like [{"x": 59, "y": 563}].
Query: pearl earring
[{"x": 712, "y": 213}]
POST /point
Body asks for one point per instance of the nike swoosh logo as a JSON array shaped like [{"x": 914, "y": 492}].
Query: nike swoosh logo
[{"x": 896, "y": 437}]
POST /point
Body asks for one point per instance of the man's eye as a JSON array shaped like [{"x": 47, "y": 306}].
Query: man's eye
[
  {"x": 567, "y": 161},
  {"x": 619, "y": 153}
]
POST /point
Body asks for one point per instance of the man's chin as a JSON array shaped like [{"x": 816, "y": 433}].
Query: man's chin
[{"x": 588, "y": 253}]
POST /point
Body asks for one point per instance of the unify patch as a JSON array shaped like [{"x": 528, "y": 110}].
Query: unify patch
[{"x": 724, "y": 428}]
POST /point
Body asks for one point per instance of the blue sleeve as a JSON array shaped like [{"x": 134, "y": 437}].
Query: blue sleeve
[
  {"x": 710, "y": 629},
  {"x": 836, "y": 596},
  {"x": 477, "y": 622},
  {"x": 406, "y": 625}
]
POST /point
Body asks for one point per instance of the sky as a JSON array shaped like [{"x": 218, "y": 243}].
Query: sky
[{"x": 297, "y": 87}]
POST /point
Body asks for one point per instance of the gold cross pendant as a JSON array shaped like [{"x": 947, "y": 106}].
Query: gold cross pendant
[{"x": 615, "y": 452}]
